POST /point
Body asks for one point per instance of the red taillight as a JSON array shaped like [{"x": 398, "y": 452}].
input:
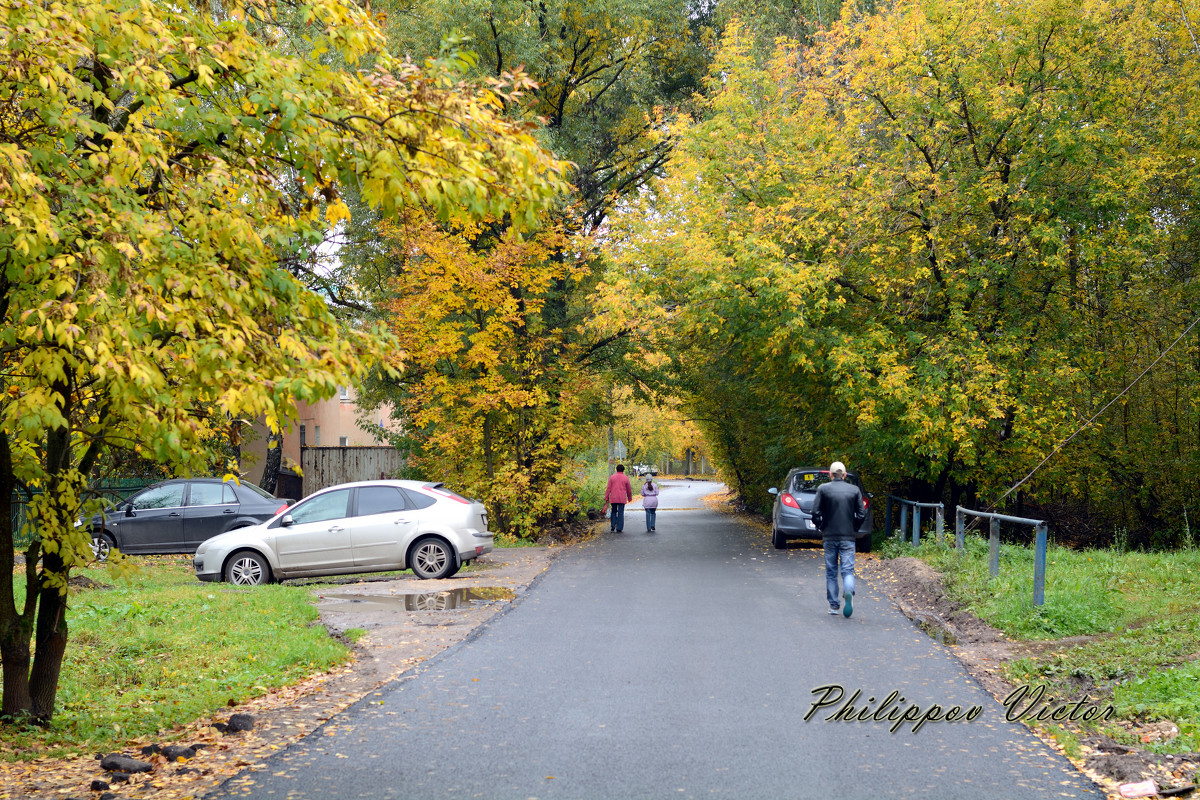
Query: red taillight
[
  {"x": 281, "y": 508},
  {"x": 788, "y": 500},
  {"x": 865, "y": 502}
]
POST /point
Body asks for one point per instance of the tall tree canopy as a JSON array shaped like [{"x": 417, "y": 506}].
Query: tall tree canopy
[
  {"x": 510, "y": 372},
  {"x": 158, "y": 166},
  {"x": 934, "y": 242}
]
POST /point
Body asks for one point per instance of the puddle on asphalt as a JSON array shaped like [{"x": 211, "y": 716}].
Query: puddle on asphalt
[
  {"x": 938, "y": 631},
  {"x": 447, "y": 600}
]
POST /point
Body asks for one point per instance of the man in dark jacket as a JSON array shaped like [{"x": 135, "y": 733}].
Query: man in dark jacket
[{"x": 838, "y": 510}]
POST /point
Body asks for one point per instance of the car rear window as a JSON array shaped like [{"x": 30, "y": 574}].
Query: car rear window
[
  {"x": 418, "y": 499},
  {"x": 809, "y": 481},
  {"x": 258, "y": 490},
  {"x": 441, "y": 490}
]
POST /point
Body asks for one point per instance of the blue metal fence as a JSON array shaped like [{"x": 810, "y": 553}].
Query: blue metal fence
[
  {"x": 1041, "y": 535},
  {"x": 940, "y": 517},
  {"x": 1040, "y": 538}
]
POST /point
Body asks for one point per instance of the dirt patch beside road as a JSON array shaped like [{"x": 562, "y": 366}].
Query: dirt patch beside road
[{"x": 407, "y": 621}]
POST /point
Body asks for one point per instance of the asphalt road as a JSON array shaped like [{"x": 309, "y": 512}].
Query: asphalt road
[{"x": 674, "y": 664}]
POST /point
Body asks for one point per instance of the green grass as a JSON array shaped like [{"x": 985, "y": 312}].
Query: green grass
[
  {"x": 509, "y": 540},
  {"x": 163, "y": 648},
  {"x": 595, "y": 481},
  {"x": 1138, "y": 615}
]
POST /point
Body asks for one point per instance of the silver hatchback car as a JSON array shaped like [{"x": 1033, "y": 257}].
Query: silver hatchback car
[{"x": 370, "y": 526}]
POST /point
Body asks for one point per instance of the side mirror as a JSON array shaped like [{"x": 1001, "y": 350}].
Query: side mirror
[
  {"x": 129, "y": 509},
  {"x": 286, "y": 521},
  {"x": 772, "y": 490}
]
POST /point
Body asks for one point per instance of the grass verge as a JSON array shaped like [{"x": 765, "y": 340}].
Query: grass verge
[
  {"x": 1122, "y": 627},
  {"x": 161, "y": 648}
]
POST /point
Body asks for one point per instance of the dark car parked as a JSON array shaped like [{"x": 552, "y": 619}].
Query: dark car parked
[
  {"x": 791, "y": 518},
  {"x": 176, "y": 516}
]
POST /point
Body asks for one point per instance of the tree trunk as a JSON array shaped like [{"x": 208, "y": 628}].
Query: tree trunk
[
  {"x": 488, "y": 456},
  {"x": 235, "y": 444},
  {"x": 14, "y": 655},
  {"x": 15, "y": 632},
  {"x": 51, "y": 644},
  {"x": 273, "y": 462}
]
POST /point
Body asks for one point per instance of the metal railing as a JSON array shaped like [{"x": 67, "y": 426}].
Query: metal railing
[
  {"x": 916, "y": 520},
  {"x": 1039, "y": 548},
  {"x": 111, "y": 491},
  {"x": 1041, "y": 534}
]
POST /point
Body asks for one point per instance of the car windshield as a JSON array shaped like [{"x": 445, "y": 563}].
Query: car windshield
[
  {"x": 168, "y": 495},
  {"x": 809, "y": 481}
]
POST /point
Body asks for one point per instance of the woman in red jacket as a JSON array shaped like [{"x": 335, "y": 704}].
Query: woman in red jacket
[{"x": 617, "y": 494}]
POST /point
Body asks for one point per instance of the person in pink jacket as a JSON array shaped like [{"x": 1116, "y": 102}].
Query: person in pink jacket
[{"x": 617, "y": 494}]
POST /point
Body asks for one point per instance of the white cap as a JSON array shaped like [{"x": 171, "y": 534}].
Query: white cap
[{"x": 837, "y": 468}]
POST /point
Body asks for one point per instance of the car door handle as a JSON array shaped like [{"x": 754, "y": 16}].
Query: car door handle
[
  {"x": 174, "y": 514},
  {"x": 229, "y": 511},
  {"x": 336, "y": 528},
  {"x": 401, "y": 521}
]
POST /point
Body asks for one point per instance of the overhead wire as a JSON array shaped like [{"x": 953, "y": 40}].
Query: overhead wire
[{"x": 1095, "y": 416}]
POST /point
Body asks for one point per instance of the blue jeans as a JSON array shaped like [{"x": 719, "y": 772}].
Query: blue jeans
[
  {"x": 650, "y": 512},
  {"x": 833, "y": 552},
  {"x": 616, "y": 520}
]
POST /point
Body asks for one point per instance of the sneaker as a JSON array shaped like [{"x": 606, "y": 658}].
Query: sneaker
[
  {"x": 848, "y": 609},
  {"x": 833, "y": 612}
]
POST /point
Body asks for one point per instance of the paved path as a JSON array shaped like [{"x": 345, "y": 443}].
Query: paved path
[{"x": 674, "y": 664}]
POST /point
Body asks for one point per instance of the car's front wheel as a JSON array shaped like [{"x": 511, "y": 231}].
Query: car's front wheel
[
  {"x": 247, "y": 568},
  {"x": 433, "y": 558},
  {"x": 778, "y": 539},
  {"x": 102, "y": 546}
]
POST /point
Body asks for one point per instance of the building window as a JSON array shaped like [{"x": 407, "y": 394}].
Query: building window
[
  {"x": 343, "y": 441},
  {"x": 303, "y": 431},
  {"x": 344, "y": 393},
  {"x": 317, "y": 435}
]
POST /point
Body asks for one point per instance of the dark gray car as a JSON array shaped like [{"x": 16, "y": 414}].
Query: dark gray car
[
  {"x": 176, "y": 516},
  {"x": 791, "y": 517}
]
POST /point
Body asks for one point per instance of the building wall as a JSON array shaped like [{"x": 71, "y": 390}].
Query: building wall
[{"x": 329, "y": 423}]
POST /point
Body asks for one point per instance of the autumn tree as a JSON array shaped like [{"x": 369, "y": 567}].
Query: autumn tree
[
  {"x": 655, "y": 426},
  {"x": 927, "y": 243},
  {"x": 515, "y": 419},
  {"x": 493, "y": 400},
  {"x": 156, "y": 165}
]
